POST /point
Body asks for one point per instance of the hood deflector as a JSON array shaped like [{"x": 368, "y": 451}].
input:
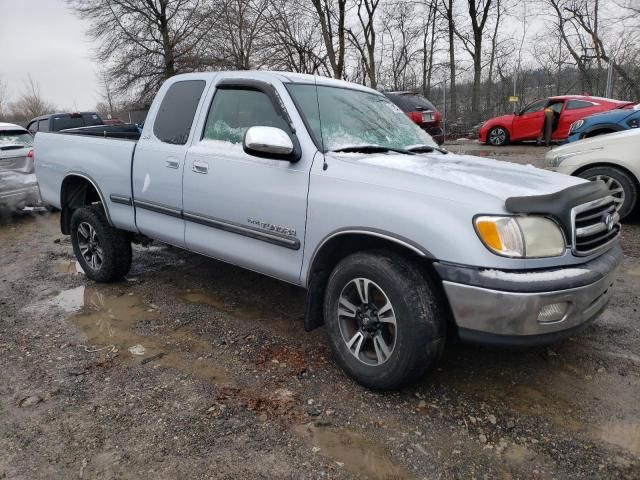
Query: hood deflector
[{"x": 558, "y": 204}]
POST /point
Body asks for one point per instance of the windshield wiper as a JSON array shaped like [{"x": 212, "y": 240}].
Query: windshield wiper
[
  {"x": 426, "y": 149},
  {"x": 371, "y": 149}
]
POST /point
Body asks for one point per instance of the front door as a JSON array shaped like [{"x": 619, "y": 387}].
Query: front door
[
  {"x": 159, "y": 161},
  {"x": 528, "y": 124},
  {"x": 240, "y": 208}
]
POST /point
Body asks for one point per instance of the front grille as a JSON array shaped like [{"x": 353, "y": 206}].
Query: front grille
[{"x": 595, "y": 225}]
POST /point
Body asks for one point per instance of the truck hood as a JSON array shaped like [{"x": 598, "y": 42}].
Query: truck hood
[{"x": 493, "y": 177}]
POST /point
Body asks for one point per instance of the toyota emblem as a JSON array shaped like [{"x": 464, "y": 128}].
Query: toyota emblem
[{"x": 609, "y": 222}]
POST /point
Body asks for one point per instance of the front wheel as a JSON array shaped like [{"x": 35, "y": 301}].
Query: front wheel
[
  {"x": 498, "y": 137},
  {"x": 621, "y": 186},
  {"x": 104, "y": 252},
  {"x": 383, "y": 319}
]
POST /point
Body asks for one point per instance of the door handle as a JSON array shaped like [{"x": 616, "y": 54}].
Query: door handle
[
  {"x": 200, "y": 166},
  {"x": 171, "y": 163}
]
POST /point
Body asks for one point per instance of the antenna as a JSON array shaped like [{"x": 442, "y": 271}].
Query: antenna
[{"x": 324, "y": 157}]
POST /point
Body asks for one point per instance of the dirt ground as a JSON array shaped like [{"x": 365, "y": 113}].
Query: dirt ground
[{"x": 196, "y": 369}]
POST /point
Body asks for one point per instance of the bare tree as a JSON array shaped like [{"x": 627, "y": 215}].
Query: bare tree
[
  {"x": 451, "y": 28},
  {"x": 472, "y": 43},
  {"x": 144, "y": 42},
  {"x": 4, "y": 99},
  {"x": 294, "y": 41},
  {"x": 30, "y": 103},
  {"x": 365, "y": 40},
  {"x": 331, "y": 15}
]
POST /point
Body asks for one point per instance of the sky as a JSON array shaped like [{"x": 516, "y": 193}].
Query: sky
[{"x": 43, "y": 38}]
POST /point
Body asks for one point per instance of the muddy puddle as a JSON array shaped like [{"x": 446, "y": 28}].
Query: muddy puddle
[
  {"x": 625, "y": 435},
  {"x": 72, "y": 267},
  {"x": 556, "y": 401},
  {"x": 251, "y": 312},
  {"x": 110, "y": 323},
  {"x": 351, "y": 450}
]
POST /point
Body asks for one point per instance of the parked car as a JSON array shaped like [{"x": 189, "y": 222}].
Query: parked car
[
  {"x": 611, "y": 158},
  {"x": 606, "y": 122},
  {"x": 18, "y": 185},
  {"x": 421, "y": 111},
  {"x": 327, "y": 185},
  {"x": 61, "y": 121},
  {"x": 527, "y": 124}
]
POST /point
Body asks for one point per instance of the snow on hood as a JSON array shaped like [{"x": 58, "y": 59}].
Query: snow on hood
[{"x": 494, "y": 177}]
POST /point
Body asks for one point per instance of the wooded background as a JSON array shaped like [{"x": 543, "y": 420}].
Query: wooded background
[{"x": 467, "y": 56}]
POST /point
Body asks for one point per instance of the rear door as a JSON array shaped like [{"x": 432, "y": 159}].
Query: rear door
[
  {"x": 528, "y": 124},
  {"x": 240, "y": 208},
  {"x": 159, "y": 160},
  {"x": 573, "y": 111}
]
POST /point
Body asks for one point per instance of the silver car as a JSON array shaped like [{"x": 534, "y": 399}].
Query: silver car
[{"x": 18, "y": 184}]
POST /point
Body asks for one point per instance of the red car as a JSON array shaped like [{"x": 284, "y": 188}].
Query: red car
[
  {"x": 421, "y": 111},
  {"x": 527, "y": 124}
]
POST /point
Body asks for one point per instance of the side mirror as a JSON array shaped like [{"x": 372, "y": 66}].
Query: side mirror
[{"x": 268, "y": 142}]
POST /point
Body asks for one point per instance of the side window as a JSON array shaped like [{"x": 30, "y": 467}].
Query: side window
[
  {"x": 43, "y": 125},
  {"x": 535, "y": 107},
  {"x": 576, "y": 104},
  {"x": 33, "y": 127},
  {"x": 177, "y": 110},
  {"x": 233, "y": 111}
]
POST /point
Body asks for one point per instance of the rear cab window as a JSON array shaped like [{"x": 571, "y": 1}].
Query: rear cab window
[
  {"x": 65, "y": 121},
  {"x": 177, "y": 111}
]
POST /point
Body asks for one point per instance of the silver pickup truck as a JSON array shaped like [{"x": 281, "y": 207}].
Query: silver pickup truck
[{"x": 328, "y": 185}]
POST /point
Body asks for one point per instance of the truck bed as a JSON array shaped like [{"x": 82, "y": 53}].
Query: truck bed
[{"x": 58, "y": 155}]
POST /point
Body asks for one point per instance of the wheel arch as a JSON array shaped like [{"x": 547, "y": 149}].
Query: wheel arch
[
  {"x": 601, "y": 129},
  {"x": 338, "y": 245},
  {"x": 78, "y": 190}
]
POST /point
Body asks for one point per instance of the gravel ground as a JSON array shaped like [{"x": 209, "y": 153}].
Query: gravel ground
[{"x": 196, "y": 369}]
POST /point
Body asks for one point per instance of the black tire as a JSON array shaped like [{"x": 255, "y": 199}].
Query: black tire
[
  {"x": 622, "y": 179},
  {"x": 420, "y": 320},
  {"x": 114, "y": 245},
  {"x": 498, "y": 137}
]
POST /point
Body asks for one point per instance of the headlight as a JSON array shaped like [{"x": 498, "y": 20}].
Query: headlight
[
  {"x": 575, "y": 126},
  {"x": 633, "y": 123},
  {"x": 522, "y": 237}
]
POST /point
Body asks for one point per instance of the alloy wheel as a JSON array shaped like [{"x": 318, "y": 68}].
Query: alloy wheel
[
  {"x": 615, "y": 189},
  {"x": 367, "y": 321},
  {"x": 89, "y": 245},
  {"x": 497, "y": 136}
]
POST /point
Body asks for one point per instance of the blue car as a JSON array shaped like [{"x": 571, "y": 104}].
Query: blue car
[{"x": 606, "y": 122}]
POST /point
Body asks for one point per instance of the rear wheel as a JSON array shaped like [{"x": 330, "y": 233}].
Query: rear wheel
[
  {"x": 622, "y": 187},
  {"x": 104, "y": 252},
  {"x": 384, "y": 322},
  {"x": 498, "y": 136}
]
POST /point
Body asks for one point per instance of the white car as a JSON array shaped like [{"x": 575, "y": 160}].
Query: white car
[
  {"x": 18, "y": 184},
  {"x": 612, "y": 158}
]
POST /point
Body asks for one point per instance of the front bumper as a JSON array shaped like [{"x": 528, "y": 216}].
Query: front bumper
[{"x": 505, "y": 308}]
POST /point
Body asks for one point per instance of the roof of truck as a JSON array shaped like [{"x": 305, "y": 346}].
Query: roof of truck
[{"x": 285, "y": 77}]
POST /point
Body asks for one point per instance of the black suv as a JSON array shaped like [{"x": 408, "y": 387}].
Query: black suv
[{"x": 62, "y": 121}]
